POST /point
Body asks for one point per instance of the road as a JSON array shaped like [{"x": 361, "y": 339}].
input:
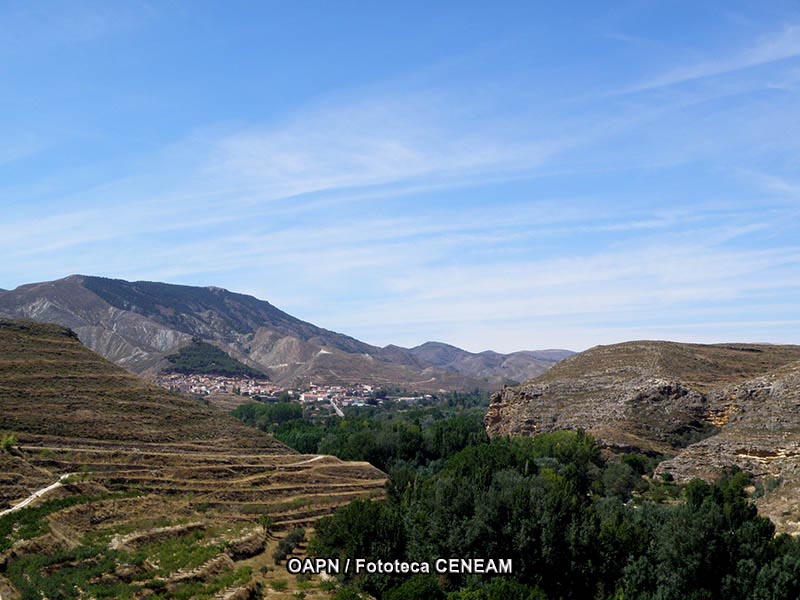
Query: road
[
  {"x": 35, "y": 495},
  {"x": 338, "y": 410}
]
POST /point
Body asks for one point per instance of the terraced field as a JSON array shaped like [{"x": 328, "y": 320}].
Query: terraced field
[
  {"x": 166, "y": 494},
  {"x": 293, "y": 489}
]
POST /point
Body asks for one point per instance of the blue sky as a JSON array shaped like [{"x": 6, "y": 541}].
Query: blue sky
[{"x": 505, "y": 175}]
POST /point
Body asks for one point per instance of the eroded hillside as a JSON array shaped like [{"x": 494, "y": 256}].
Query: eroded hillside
[
  {"x": 709, "y": 406},
  {"x": 162, "y": 494},
  {"x": 137, "y": 325},
  {"x": 761, "y": 436}
]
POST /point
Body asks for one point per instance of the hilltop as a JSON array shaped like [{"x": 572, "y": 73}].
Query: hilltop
[
  {"x": 139, "y": 324},
  {"x": 708, "y": 406},
  {"x": 151, "y": 474},
  {"x": 201, "y": 358},
  {"x": 517, "y": 366},
  {"x": 54, "y": 388}
]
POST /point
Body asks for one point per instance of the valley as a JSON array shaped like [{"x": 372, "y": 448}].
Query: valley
[
  {"x": 129, "y": 490},
  {"x": 115, "y": 487},
  {"x": 399, "y": 300}
]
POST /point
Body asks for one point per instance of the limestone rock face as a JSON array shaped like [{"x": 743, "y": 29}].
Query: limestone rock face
[
  {"x": 761, "y": 436},
  {"x": 647, "y": 414},
  {"x": 711, "y": 406}
]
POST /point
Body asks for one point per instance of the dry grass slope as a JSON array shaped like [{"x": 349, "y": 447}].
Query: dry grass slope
[
  {"x": 145, "y": 458},
  {"x": 701, "y": 366}
]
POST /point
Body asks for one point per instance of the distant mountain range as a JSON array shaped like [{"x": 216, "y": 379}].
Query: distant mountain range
[{"x": 138, "y": 324}]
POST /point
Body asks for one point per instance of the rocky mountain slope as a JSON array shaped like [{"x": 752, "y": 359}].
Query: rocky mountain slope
[
  {"x": 151, "y": 474},
  {"x": 761, "y": 436},
  {"x": 517, "y": 366},
  {"x": 709, "y": 406},
  {"x": 137, "y": 324}
]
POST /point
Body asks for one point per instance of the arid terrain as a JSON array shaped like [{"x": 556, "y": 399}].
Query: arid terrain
[
  {"x": 159, "y": 495},
  {"x": 709, "y": 407},
  {"x": 137, "y": 325}
]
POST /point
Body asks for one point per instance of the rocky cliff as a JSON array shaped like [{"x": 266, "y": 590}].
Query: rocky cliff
[
  {"x": 761, "y": 435},
  {"x": 709, "y": 406}
]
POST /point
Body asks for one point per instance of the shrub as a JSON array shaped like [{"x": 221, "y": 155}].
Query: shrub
[
  {"x": 347, "y": 593},
  {"x": 7, "y": 443},
  {"x": 266, "y": 522},
  {"x": 287, "y": 545},
  {"x": 279, "y": 585}
]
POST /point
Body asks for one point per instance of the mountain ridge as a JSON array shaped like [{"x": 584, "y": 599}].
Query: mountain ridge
[{"x": 137, "y": 324}]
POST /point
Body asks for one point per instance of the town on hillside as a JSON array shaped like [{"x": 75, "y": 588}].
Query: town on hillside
[{"x": 263, "y": 390}]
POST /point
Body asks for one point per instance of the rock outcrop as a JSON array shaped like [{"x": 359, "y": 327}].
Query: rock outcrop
[
  {"x": 761, "y": 436},
  {"x": 709, "y": 406}
]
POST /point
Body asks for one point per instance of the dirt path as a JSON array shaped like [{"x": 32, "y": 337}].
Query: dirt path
[
  {"x": 34, "y": 496},
  {"x": 305, "y": 462}
]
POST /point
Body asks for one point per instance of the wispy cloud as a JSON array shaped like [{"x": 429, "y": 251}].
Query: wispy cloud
[
  {"x": 13, "y": 151},
  {"x": 405, "y": 211},
  {"x": 47, "y": 25},
  {"x": 413, "y": 285},
  {"x": 774, "y": 183},
  {"x": 776, "y": 46},
  {"x": 363, "y": 149},
  {"x": 377, "y": 141}
]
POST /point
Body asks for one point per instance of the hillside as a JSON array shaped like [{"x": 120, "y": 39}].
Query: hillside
[
  {"x": 138, "y": 324},
  {"x": 45, "y": 371},
  {"x": 711, "y": 406},
  {"x": 154, "y": 475},
  {"x": 203, "y": 358},
  {"x": 761, "y": 435}
]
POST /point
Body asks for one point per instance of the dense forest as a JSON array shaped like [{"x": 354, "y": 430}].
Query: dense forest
[
  {"x": 393, "y": 437},
  {"x": 576, "y": 524}
]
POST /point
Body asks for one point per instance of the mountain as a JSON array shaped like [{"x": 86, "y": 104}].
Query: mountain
[
  {"x": 710, "y": 407},
  {"x": 138, "y": 324},
  {"x": 53, "y": 387},
  {"x": 134, "y": 470},
  {"x": 517, "y": 366}
]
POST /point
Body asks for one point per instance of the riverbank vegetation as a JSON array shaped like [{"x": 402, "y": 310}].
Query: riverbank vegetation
[{"x": 577, "y": 523}]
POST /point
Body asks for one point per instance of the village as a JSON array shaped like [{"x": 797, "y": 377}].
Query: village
[
  {"x": 262, "y": 390},
  {"x": 205, "y": 385}
]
